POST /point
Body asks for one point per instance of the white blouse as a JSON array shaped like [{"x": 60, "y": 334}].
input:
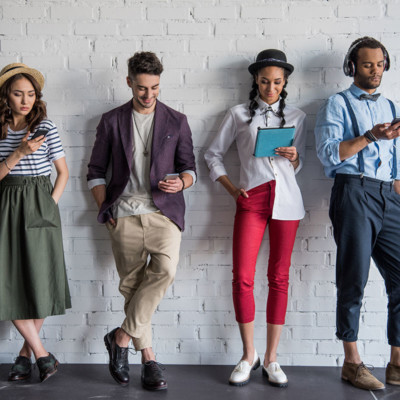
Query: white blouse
[{"x": 254, "y": 171}]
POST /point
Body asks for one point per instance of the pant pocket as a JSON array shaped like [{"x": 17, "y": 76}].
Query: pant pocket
[{"x": 41, "y": 210}]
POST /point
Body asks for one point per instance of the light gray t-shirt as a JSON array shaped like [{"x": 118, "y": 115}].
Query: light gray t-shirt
[{"x": 136, "y": 198}]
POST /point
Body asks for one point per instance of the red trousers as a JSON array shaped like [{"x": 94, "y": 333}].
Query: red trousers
[{"x": 253, "y": 214}]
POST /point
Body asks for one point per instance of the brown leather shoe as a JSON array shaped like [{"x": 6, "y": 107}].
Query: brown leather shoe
[
  {"x": 360, "y": 376},
  {"x": 393, "y": 374}
]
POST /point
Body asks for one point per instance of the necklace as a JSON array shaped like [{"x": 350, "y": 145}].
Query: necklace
[
  {"x": 265, "y": 111},
  {"x": 145, "y": 152}
]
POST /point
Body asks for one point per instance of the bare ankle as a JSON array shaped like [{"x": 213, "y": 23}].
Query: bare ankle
[
  {"x": 25, "y": 353},
  {"x": 248, "y": 356},
  {"x": 353, "y": 360},
  {"x": 148, "y": 355},
  {"x": 122, "y": 338},
  {"x": 351, "y": 354},
  {"x": 269, "y": 359},
  {"x": 43, "y": 353}
]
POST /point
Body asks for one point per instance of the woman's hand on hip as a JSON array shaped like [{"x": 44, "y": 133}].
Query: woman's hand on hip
[{"x": 239, "y": 192}]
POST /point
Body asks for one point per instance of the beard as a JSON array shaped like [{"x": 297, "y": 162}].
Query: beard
[{"x": 367, "y": 82}]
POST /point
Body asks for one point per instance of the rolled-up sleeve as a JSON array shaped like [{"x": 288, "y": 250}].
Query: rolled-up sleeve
[
  {"x": 215, "y": 153},
  {"x": 329, "y": 131},
  {"x": 96, "y": 182}
]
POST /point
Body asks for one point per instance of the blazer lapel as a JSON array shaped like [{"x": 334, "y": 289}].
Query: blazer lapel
[
  {"x": 159, "y": 130},
  {"x": 125, "y": 130}
]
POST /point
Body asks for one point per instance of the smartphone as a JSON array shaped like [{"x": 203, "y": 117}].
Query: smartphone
[
  {"x": 39, "y": 132},
  {"x": 170, "y": 177},
  {"x": 395, "y": 121}
]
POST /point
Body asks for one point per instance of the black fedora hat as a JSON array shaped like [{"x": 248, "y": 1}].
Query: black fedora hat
[{"x": 272, "y": 57}]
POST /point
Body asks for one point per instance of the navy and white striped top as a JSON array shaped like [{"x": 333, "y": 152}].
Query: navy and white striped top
[{"x": 39, "y": 162}]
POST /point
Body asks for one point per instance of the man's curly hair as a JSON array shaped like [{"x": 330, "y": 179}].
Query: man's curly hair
[{"x": 144, "y": 62}]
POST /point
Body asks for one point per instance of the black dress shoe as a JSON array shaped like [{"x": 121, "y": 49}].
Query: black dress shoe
[
  {"x": 152, "y": 376},
  {"x": 21, "y": 369},
  {"x": 118, "y": 365},
  {"x": 47, "y": 366}
]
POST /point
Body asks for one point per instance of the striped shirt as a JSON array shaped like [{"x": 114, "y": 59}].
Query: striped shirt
[{"x": 39, "y": 162}]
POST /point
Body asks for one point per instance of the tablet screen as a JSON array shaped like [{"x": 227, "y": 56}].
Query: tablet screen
[{"x": 268, "y": 139}]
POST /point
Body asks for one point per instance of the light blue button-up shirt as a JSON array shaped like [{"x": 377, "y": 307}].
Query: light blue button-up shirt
[{"x": 334, "y": 125}]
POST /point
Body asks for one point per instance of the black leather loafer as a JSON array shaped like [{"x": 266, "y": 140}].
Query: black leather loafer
[
  {"x": 21, "y": 369},
  {"x": 152, "y": 376},
  {"x": 118, "y": 365},
  {"x": 47, "y": 366}
]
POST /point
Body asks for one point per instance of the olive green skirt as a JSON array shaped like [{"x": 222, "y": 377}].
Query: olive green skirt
[{"x": 33, "y": 281}]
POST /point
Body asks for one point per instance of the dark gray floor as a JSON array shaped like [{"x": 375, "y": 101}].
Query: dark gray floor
[{"x": 188, "y": 383}]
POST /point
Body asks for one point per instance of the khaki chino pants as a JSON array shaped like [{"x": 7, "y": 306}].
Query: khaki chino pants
[{"x": 143, "y": 283}]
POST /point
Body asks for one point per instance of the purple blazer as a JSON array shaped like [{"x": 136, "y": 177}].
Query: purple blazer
[{"x": 171, "y": 151}]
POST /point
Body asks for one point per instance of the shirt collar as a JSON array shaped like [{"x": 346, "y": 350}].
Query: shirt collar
[
  {"x": 357, "y": 92},
  {"x": 263, "y": 106}
]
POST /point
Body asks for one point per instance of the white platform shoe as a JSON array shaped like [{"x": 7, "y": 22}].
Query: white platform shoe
[
  {"x": 275, "y": 375},
  {"x": 241, "y": 373}
]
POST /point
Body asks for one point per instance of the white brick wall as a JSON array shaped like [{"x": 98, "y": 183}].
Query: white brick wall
[{"x": 82, "y": 46}]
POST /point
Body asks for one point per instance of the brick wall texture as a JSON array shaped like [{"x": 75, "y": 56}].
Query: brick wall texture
[{"x": 82, "y": 46}]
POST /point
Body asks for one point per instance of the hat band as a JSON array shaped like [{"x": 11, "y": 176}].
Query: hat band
[
  {"x": 10, "y": 70},
  {"x": 271, "y": 59}
]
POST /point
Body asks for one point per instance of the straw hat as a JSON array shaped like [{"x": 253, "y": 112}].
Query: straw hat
[{"x": 18, "y": 68}]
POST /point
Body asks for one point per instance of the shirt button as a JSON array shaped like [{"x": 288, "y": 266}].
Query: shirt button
[{"x": 276, "y": 174}]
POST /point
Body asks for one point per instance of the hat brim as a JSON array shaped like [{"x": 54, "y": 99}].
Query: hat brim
[
  {"x": 22, "y": 70},
  {"x": 253, "y": 68}
]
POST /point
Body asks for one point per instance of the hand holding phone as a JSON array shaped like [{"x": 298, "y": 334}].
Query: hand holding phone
[
  {"x": 39, "y": 132},
  {"x": 171, "y": 183},
  {"x": 395, "y": 121},
  {"x": 170, "y": 177}
]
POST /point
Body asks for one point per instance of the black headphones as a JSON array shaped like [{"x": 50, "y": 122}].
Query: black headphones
[{"x": 349, "y": 67}]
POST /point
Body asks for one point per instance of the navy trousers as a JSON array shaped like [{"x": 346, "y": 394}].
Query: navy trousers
[{"x": 365, "y": 214}]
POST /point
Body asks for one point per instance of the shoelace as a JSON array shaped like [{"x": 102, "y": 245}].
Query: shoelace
[
  {"x": 362, "y": 366},
  {"x": 155, "y": 364},
  {"x": 132, "y": 350},
  {"x": 124, "y": 354}
]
